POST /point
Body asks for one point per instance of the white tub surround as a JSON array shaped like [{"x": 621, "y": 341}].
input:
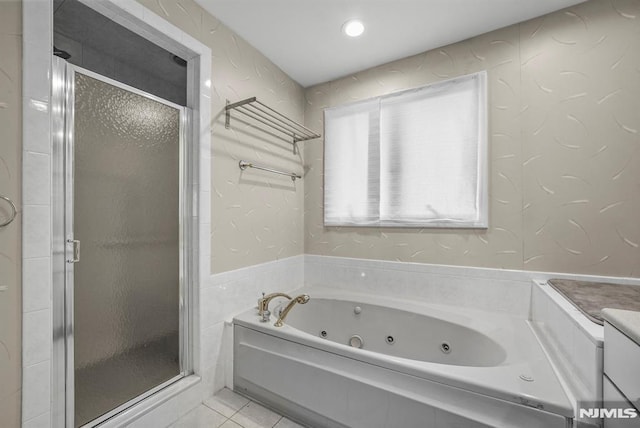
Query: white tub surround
[
  {"x": 574, "y": 343},
  {"x": 496, "y": 373},
  {"x": 502, "y": 291}
]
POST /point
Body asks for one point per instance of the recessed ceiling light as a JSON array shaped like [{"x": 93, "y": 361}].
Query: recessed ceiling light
[{"x": 353, "y": 28}]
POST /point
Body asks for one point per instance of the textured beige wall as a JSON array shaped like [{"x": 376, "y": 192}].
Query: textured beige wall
[
  {"x": 256, "y": 216},
  {"x": 10, "y": 236},
  {"x": 564, "y": 122},
  {"x": 581, "y": 139}
]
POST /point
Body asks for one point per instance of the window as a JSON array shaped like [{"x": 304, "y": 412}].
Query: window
[{"x": 416, "y": 158}]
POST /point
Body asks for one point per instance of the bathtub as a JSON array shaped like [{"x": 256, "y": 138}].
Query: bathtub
[{"x": 353, "y": 360}]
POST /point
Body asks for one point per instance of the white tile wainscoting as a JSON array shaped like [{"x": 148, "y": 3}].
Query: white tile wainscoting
[
  {"x": 500, "y": 290},
  {"x": 489, "y": 289},
  {"x": 226, "y": 294}
]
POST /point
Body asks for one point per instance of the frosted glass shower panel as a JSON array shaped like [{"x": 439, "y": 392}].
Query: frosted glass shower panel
[{"x": 126, "y": 150}]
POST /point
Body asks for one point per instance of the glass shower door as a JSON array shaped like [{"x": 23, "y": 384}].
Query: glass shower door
[{"x": 123, "y": 243}]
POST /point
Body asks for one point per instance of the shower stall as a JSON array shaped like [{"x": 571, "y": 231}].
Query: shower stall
[{"x": 122, "y": 205}]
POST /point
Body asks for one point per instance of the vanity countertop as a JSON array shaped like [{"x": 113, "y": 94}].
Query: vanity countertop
[
  {"x": 592, "y": 297},
  {"x": 628, "y": 322}
]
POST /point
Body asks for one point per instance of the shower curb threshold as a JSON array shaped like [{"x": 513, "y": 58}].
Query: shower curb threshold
[{"x": 149, "y": 404}]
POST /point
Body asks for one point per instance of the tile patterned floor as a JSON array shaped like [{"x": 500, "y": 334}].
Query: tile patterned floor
[{"x": 227, "y": 409}]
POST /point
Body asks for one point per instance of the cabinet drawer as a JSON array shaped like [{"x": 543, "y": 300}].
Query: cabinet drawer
[
  {"x": 613, "y": 400},
  {"x": 622, "y": 363}
]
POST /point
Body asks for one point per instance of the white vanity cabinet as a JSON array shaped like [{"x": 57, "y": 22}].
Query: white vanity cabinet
[{"x": 621, "y": 383}]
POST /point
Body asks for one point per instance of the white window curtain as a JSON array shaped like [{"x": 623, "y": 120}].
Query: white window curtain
[
  {"x": 352, "y": 177},
  {"x": 416, "y": 158}
]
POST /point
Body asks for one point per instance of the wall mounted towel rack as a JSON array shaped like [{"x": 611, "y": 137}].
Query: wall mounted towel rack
[
  {"x": 244, "y": 165},
  {"x": 264, "y": 114},
  {"x": 14, "y": 211}
]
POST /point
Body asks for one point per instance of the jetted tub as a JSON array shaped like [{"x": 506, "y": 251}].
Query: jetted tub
[{"x": 351, "y": 360}]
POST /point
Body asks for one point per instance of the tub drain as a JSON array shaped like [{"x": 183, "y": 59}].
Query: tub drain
[
  {"x": 445, "y": 347},
  {"x": 323, "y": 333},
  {"x": 390, "y": 340}
]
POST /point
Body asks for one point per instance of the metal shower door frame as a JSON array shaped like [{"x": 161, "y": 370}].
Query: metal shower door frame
[{"x": 63, "y": 382}]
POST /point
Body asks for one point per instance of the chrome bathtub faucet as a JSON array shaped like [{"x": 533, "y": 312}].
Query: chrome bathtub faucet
[
  {"x": 263, "y": 305},
  {"x": 302, "y": 299}
]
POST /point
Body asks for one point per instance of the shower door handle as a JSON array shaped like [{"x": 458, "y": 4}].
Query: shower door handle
[{"x": 76, "y": 251}]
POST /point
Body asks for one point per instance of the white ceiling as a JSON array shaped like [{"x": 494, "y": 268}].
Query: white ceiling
[{"x": 304, "y": 37}]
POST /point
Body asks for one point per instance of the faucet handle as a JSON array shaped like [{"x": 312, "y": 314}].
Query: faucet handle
[{"x": 302, "y": 299}]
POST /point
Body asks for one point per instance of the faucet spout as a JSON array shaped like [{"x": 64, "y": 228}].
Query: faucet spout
[
  {"x": 302, "y": 299},
  {"x": 263, "y": 302}
]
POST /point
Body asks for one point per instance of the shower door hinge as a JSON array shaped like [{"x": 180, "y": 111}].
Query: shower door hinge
[{"x": 76, "y": 250}]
